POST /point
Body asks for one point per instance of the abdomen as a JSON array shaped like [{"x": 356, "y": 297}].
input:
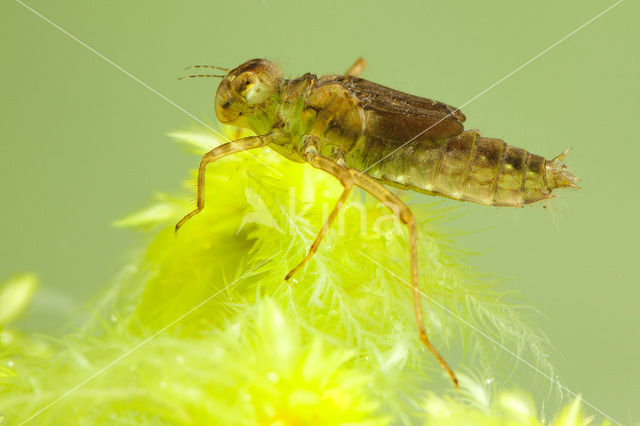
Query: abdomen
[{"x": 466, "y": 167}]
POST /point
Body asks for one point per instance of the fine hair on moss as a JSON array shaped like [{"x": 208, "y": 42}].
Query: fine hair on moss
[{"x": 201, "y": 328}]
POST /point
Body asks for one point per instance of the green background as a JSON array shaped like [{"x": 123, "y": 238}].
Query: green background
[{"x": 83, "y": 144}]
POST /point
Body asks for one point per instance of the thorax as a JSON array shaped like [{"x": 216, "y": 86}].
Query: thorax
[{"x": 322, "y": 108}]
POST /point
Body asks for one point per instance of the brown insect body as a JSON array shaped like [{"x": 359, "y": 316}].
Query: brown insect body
[
  {"x": 365, "y": 135},
  {"x": 370, "y": 126},
  {"x": 367, "y": 126}
]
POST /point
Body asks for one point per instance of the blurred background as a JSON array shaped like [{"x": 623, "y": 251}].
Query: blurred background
[{"x": 84, "y": 144}]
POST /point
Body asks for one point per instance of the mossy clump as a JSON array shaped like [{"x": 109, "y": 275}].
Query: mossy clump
[{"x": 201, "y": 328}]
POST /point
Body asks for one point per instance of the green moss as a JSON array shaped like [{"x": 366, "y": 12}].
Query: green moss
[{"x": 201, "y": 328}]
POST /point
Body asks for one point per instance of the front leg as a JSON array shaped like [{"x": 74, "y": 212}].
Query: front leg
[{"x": 216, "y": 153}]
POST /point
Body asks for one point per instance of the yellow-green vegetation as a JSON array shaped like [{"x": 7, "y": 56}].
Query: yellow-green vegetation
[{"x": 201, "y": 328}]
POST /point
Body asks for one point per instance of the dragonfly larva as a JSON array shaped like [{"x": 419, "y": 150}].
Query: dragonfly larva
[{"x": 367, "y": 135}]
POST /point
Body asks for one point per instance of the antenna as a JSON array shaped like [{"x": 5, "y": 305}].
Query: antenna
[
  {"x": 209, "y": 66},
  {"x": 203, "y": 75}
]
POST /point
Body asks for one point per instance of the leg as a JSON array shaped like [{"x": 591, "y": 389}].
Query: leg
[
  {"x": 349, "y": 177},
  {"x": 213, "y": 155},
  {"x": 400, "y": 209},
  {"x": 332, "y": 167},
  {"x": 357, "y": 67}
]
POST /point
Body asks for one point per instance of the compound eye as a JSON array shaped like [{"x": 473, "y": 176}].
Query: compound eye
[{"x": 245, "y": 83}]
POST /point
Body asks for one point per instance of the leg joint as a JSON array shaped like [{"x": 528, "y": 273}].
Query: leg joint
[
  {"x": 407, "y": 217},
  {"x": 347, "y": 181}
]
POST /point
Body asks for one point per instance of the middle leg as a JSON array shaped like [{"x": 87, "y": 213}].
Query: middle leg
[
  {"x": 332, "y": 167},
  {"x": 357, "y": 67}
]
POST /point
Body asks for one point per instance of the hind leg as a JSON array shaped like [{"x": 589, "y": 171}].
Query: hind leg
[
  {"x": 349, "y": 177},
  {"x": 403, "y": 213}
]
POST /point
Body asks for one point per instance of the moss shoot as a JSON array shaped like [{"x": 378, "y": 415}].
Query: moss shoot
[{"x": 201, "y": 328}]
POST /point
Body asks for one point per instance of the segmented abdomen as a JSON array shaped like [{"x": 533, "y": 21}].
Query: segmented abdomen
[{"x": 467, "y": 167}]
